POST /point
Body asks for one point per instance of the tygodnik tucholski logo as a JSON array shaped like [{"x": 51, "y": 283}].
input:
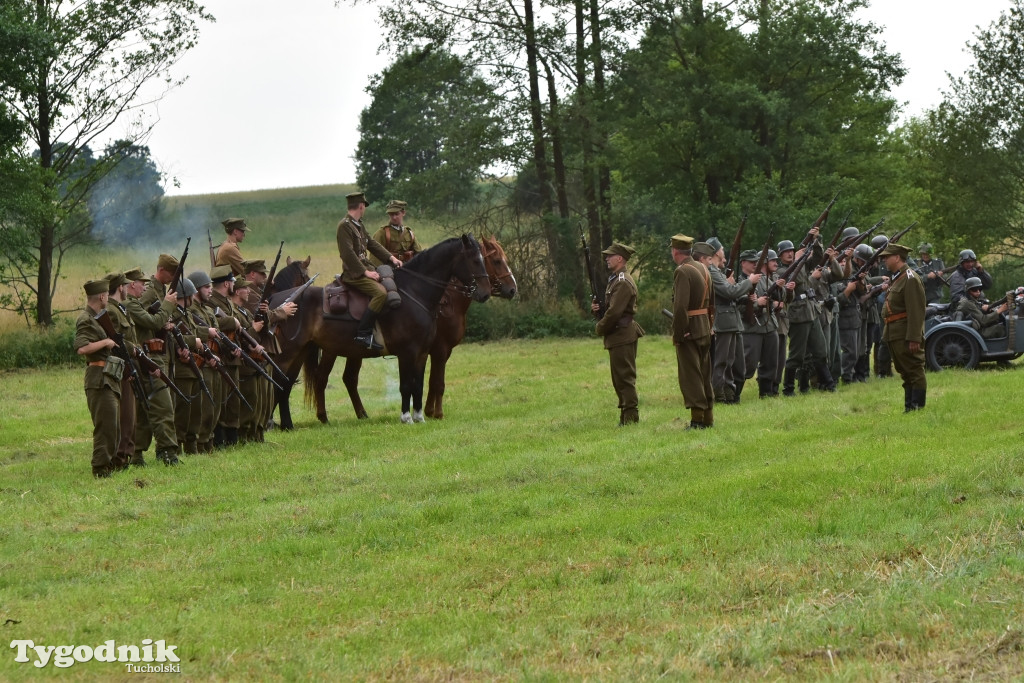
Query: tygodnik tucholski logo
[{"x": 64, "y": 656}]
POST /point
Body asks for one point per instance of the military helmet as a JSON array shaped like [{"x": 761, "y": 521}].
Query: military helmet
[
  {"x": 863, "y": 252},
  {"x": 849, "y": 232},
  {"x": 879, "y": 241},
  {"x": 784, "y": 245},
  {"x": 972, "y": 283},
  {"x": 200, "y": 279},
  {"x": 967, "y": 255},
  {"x": 185, "y": 288},
  {"x": 924, "y": 248},
  {"x": 772, "y": 256}
]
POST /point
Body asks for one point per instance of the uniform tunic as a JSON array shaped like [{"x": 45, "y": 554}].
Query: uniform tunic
[
  {"x": 904, "y": 322},
  {"x": 728, "y": 328},
  {"x": 693, "y": 316},
  {"x": 932, "y": 286},
  {"x": 397, "y": 239},
  {"x": 228, "y": 254},
  {"x": 102, "y": 391},
  {"x": 123, "y": 324},
  {"x": 620, "y": 334},
  {"x": 156, "y": 424},
  {"x": 353, "y": 244},
  {"x": 987, "y": 323}
]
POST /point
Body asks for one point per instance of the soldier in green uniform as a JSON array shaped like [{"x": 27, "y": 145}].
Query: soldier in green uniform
[
  {"x": 228, "y": 254},
  {"x": 395, "y": 236},
  {"x": 103, "y": 374},
  {"x": 620, "y": 330},
  {"x": 206, "y": 414},
  {"x": 185, "y": 428},
  {"x": 226, "y": 432},
  {"x": 930, "y": 269},
  {"x": 806, "y": 339},
  {"x": 358, "y": 273},
  {"x": 728, "y": 375},
  {"x": 984, "y": 318},
  {"x": 249, "y": 381},
  {"x": 156, "y": 423},
  {"x": 904, "y": 324},
  {"x": 693, "y": 312},
  {"x": 117, "y": 289}
]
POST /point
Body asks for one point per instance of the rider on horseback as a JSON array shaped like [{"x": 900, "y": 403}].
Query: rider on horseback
[{"x": 358, "y": 273}]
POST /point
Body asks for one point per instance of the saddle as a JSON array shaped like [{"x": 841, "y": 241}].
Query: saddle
[{"x": 343, "y": 303}]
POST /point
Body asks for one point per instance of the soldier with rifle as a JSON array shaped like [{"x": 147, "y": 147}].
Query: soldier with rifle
[
  {"x": 122, "y": 325},
  {"x": 760, "y": 329},
  {"x": 250, "y": 381},
  {"x": 729, "y": 371},
  {"x": 785, "y": 252},
  {"x": 187, "y": 374},
  {"x": 693, "y": 310},
  {"x": 931, "y": 272},
  {"x": 984, "y": 317},
  {"x": 207, "y": 415},
  {"x": 226, "y": 432},
  {"x": 151, "y": 313},
  {"x": 823, "y": 276},
  {"x": 620, "y": 331},
  {"x": 228, "y": 254},
  {"x": 904, "y": 325},
  {"x": 103, "y": 373},
  {"x": 968, "y": 267}
]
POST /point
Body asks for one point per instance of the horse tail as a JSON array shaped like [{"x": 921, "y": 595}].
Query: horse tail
[{"x": 309, "y": 366}]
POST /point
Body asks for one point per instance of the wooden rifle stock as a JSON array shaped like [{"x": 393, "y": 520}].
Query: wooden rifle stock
[
  {"x": 178, "y": 274},
  {"x": 734, "y": 251},
  {"x": 594, "y": 296},
  {"x": 266, "y": 287},
  {"x": 122, "y": 352}
]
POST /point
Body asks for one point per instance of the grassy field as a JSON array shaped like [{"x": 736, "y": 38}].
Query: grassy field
[{"x": 526, "y": 537}]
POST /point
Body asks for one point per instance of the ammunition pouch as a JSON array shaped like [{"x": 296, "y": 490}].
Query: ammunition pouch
[
  {"x": 154, "y": 346},
  {"x": 387, "y": 278},
  {"x": 114, "y": 368}
]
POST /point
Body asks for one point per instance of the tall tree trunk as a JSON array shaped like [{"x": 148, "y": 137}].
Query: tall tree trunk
[
  {"x": 47, "y": 230},
  {"x": 589, "y": 176},
  {"x": 555, "y": 128},
  {"x": 603, "y": 171}
]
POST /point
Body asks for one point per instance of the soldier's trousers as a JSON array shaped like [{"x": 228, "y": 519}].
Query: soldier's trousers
[
  {"x": 762, "y": 355},
  {"x": 850, "y": 343},
  {"x": 693, "y": 365},
  {"x": 868, "y": 333},
  {"x": 251, "y": 385},
  {"x": 204, "y": 412},
  {"x": 834, "y": 343},
  {"x": 126, "y": 443},
  {"x": 909, "y": 365},
  {"x": 231, "y": 407},
  {"x": 622, "y": 359},
  {"x": 104, "y": 404},
  {"x": 806, "y": 342},
  {"x": 371, "y": 288},
  {"x": 781, "y": 362},
  {"x": 727, "y": 346},
  {"x": 157, "y": 423},
  {"x": 185, "y": 430}
]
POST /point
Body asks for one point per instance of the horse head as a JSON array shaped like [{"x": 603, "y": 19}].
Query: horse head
[
  {"x": 470, "y": 269},
  {"x": 503, "y": 283},
  {"x": 295, "y": 273}
]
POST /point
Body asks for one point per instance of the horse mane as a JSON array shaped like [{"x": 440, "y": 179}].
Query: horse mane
[
  {"x": 426, "y": 257},
  {"x": 290, "y": 271}
]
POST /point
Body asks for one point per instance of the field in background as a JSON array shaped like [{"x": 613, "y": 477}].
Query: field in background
[{"x": 525, "y": 536}]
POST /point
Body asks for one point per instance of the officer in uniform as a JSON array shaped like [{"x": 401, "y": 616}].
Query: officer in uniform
[
  {"x": 693, "y": 310},
  {"x": 395, "y": 237},
  {"x": 969, "y": 267},
  {"x": 977, "y": 309},
  {"x": 620, "y": 330},
  {"x": 228, "y": 254},
  {"x": 930, "y": 269},
  {"x": 156, "y": 423},
  {"x": 103, "y": 374},
  {"x": 728, "y": 328},
  {"x": 904, "y": 324},
  {"x": 226, "y": 432},
  {"x": 358, "y": 273}
]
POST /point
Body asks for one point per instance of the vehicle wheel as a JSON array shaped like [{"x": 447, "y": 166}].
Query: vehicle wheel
[{"x": 952, "y": 349}]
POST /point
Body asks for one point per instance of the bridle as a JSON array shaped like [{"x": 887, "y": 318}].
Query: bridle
[
  {"x": 495, "y": 280},
  {"x": 468, "y": 290}
]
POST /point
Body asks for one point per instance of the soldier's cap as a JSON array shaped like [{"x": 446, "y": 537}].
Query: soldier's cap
[
  {"x": 703, "y": 249},
  {"x": 924, "y": 248},
  {"x": 356, "y": 198},
  {"x": 396, "y": 206},
  {"x": 681, "y": 241},
  {"x": 199, "y": 278},
  {"x": 186, "y": 288},
  {"x": 115, "y": 279},
  {"x": 94, "y": 287},
  {"x": 256, "y": 265},
  {"x": 393, "y": 209},
  {"x": 234, "y": 224},
  {"x": 617, "y": 249},
  {"x": 220, "y": 274},
  {"x": 750, "y": 255},
  {"x": 892, "y": 249},
  {"x": 715, "y": 243},
  {"x": 167, "y": 262},
  {"x": 135, "y": 274},
  {"x": 242, "y": 283}
]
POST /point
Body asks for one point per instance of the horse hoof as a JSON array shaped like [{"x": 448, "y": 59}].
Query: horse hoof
[
  {"x": 406, "y": 418},
  {"x": 322, "y": 418},
  {"x": 362, "y": 415},
  {"x": 417, "y": 416}
]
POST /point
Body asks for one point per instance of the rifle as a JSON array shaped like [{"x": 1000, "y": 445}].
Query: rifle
[
  {"x": 263, "y": 355},
  {"x": 149, "y": 365},
  {"x": 748, "y": 313},
  {"x": 839, "y": 232},
  {"x": 594, "y": 297},
  {"x": 218, "y": 365},
  {"x": 266, "y": 287},
  {"x": 792, "y": 271},
  {"x": 869, "y": 263},
  {"x": 179, "y": 339},
  {"x": 213, "y": 254},
  {"x": 857, "y": 239},
  {"x": 808, "y": 238},
  {"x": 298, "y": 292},
  {"x": 246, "y": 358},
  {"x": 734, "y": 251},
  {"x": 121, "y": 351},
  {"x": 178, "y": 274},
  {"x": 668, "y": 314}
]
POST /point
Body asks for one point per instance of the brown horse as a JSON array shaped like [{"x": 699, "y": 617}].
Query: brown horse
[
  {"x": 408, "y": 330},
  {"x": 451, "y": 320}
]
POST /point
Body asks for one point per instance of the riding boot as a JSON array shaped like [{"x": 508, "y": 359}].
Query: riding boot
[
  {"x": 920, "y": 397},
  {"x": 191, "y": 447},
  {"x": 218, "y": 437},
  {"x": 764, "y": 388},
  {"x": 739, "y": 390},
  {"x": 230, "y": 436},
  {"x": 804, "y": 380},
  {"x": 630, "y": 416},
  {"x": 259, "y": 435},
  {"x": 788, "y": 376},
  {"x": 709, "y": 417},
  {"x": 364, "y": 335},
  {"x": 908, "y": 399},
  {"x": 825, "y": 380}
]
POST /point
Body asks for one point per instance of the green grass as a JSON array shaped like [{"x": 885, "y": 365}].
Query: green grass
[{"x": 524, "y": 536}]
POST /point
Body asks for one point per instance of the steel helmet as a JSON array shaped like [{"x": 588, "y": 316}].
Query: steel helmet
[
  {"x": 863, "y": 252},
  {"x": 967, "y": 255},
  {"x": 784, "y": 245},
  {"x": 185, "y": 288},
  {"x": 200, "y": 279},
  {"x": 924, "y": 248},
  {"x": 879, "y": 241},
  {"x": 972, "y": 283},
  {"x": 849, "y": 232},
  {"x": 772, "y": 256}
]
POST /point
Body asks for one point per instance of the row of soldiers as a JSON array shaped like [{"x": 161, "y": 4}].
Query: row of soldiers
[{"x": 199, "y": 353}]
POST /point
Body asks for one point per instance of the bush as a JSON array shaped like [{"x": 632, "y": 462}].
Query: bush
[
  {"x": 38, "y": 348},
  {"x": 498, "y": 320}
]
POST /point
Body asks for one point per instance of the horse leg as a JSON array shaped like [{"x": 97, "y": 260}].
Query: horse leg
[
  {"x": 406, "y": 380},
  {"x": 417, "y": 390},
  {"x": 323, "y": 372},
  {"x": 281, "y": 395},
  {"x": 351, "y": 378},
  {"x": 435, "y": 389}
]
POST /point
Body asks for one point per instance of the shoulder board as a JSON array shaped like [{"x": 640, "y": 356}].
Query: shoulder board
[
  {"x": 622, "y": 276},
  {"x": 910, "y": 273}
]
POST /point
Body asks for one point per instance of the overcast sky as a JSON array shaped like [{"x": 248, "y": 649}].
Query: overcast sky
[{"x": 275, "y": 87}]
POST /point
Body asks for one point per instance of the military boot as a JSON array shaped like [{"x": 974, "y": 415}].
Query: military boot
[
  {"x": 191, "y": 447},
  {"x": 230, "y": 436},
  {"x": 218, "y": 437},
  {"x": 630, "y": 416},
  {"x": 364, "y": 335},
  {"x": 908, "y": 400},
  {"x": 764, "y": 388},
  {"x": 168, "y": 456},
  {"x": 804, "y": 380},
  {"x": 709, "y": 418},
  {"x": 825, "y": 380},
  {"x": 788, "y": 377},
  {"x": 920, "y": 396},
  {"x": 739, "y": 390}
]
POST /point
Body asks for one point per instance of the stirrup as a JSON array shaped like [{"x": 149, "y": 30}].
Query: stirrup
[{"x": 368, "y": 341}]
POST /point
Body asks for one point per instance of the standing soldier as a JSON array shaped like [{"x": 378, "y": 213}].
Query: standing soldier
[
  {"x": 249, "y": 380},
  {"x": 930, "y": 269},
  {"x": 205, "y": 414},
  {"x": 103, "y": 374},
  {"x": 760, "y": 331},
  {"x": 186, "y": 429},
  {"x": 904, "y": 325},
  {"x": 620, "y": 331},
  {"x": 122, "y": 323},
  {"x": 226, "y": 432},
  {"x": 785, "y": 251},
  {"x": 807, "y": 341},
  {"x": 156, "y": 423},
  {"x": 728, "y": 329},
  {"x": 395, "y": 237},
  {"x": 693, "y": 312},
  {"x": 228, "y": 253},
  {"x": 358, "y": 273}
]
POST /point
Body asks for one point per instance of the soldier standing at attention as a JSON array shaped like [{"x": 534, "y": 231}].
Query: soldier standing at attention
[
  {"x": 903, "y": 313},
  {"x": 205, "y": 414},
  {"x": 693, "y": 316},
  {"x": 395, "y": 237},
  {"x": 358, "y": 273},
  {"x": 226, "y": 432},
  {"x": 620, "y": 331},
  {"x": 930, "y": 269},
  {"x": 117, "y": 289},
  {"x": 103, "y": 374},
  {"x": 726, "y": 378},
  {"x": 228, "y": 253}
]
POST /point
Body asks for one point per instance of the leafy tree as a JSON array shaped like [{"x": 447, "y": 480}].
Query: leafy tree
[
  {"x": 429, "y": 131},
  {"x": 91, "y": 64},
  {"x": 125, "y": 201}
]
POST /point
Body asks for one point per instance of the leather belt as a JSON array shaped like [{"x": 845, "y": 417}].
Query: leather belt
[
  {"x": 896, "y": 316},
  {"x": 98, "y": 364},
  {"x": 698, "y": 311}
]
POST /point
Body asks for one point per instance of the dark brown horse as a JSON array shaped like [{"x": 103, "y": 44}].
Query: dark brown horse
[
  {"x": 451, "y": 320},
  {"x": 408, "y": 330}
]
